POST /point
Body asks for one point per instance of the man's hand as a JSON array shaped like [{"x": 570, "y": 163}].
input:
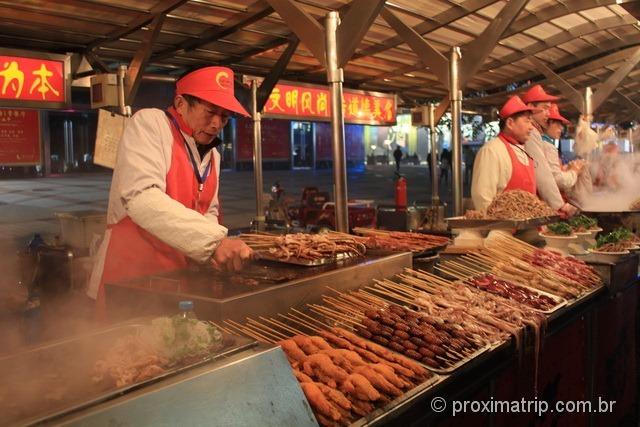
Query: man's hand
[
  {"x": 577, "y": 166},
  {"x": 567, "y": 211},
  {"x": 231, "y": 254}
]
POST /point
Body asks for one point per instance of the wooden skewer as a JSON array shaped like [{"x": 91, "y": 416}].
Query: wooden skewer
[
  {"x": 335, "y": 320},
  {"x": 255, "y": 325},
  {"x": 282, "y": 326},
  {"x": 423, "y": 274},
  {"x": 265, "y": 327},
  {"x": 374, "y": 299},
  {"x": 311, "y": 319},
  {"x": 336, "y": 313},
  {"x": 425, "y": 286},
  {"x": 349, "y": 298},
  {"x": 445, "y": 360},
  {"x": 343, "y": 306},
  {"x": 407, "y": 291},
  {"x": 363, "y": 305},
  {"x": 452, "y": 273},
  {"x": 219, "y": 327},
  {"x": 292, "y": 318},
  {"x": 249, "y": 332},
  {"x": 392, "y": 295},
  {"x": 463, "y": 267}
]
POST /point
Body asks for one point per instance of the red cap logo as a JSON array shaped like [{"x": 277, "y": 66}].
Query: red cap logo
[{"x": 222, "y": 80}]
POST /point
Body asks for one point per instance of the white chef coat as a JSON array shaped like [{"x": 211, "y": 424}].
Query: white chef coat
[
  {"x": 138, "y": 190},
  {"x": 547, "y": 188},
  {"x": 564, "y": 179},
  {"x": 492, "y": 171}
]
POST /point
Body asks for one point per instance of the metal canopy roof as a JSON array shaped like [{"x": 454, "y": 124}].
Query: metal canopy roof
[{"x": 585, "y": 41}]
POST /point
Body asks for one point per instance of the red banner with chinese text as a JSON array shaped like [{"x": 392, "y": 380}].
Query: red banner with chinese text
[
  {"x": 31, "y": 79},
  {"x": 276, "y": 140},
  {"x": 19, "y": 137},
  {"x": 312, "y": 103}
]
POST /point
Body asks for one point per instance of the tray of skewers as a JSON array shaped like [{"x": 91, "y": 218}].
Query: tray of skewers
[
  {"x": 441, "y": 345},
  {"x": 419, "y": 244},
  {"x": 307, "y": 250},
  {"x": 534, "y": 298}
]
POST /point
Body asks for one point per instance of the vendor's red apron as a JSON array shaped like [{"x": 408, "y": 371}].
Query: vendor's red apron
[
  {"x": 523, "y": 177},
  {"x": 134, "y": 252}
]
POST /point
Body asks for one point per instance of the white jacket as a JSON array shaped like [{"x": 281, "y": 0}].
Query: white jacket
[
  {"x": 547, "y": 188},
  {"x": 492, "y": 172},
  {"x": 138, "y": 190}
]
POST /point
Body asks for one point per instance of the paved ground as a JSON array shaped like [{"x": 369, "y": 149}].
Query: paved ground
[{"x": 27, "y": 206}]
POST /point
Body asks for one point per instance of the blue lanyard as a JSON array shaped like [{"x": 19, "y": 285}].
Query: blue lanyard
[{"x": 201, "y": 178}]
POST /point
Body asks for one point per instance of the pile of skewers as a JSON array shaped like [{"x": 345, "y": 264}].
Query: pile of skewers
[
  {"x": 431, "y": 340},
  {"x": 305, "y": 246},
  {"x": 471, "y": 274},
  {"x": 343, "y": 376},
  {"x": 482, "y": 316},
  {"x": 521, "y": 263},
  {"x": 400, "y": 240}
]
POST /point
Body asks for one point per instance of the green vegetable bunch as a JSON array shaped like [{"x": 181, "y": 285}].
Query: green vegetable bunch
[
  {"x": 619, "y": 235},
  {"x": 560, "y": 228},
  {"x": 582, "y": 222}
]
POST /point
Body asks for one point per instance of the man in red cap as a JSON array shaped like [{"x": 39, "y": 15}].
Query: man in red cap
[
  {"x": 548, "y": 190},
  {"x": 163, "y": 204},
  {"x": 502, "y": 164},
  {"x": 566, "y": 177}
]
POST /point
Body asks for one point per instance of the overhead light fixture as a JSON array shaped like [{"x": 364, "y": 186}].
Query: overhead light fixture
[
  {"x": 409, "y": 75},
  {"x": 491, "y": 71},
  {"x": 386, "y": 80},
  {"x": 618, "y": 1}
]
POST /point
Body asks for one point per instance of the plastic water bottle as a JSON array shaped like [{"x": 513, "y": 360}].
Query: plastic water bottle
[{"x": 186, "y": 310}]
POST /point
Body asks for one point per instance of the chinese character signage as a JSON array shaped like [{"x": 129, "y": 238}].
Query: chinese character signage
[
  {"x": 313, "y": 103},
  {"x": 19, "y": 137},
  {"x": 33, "y": 80}
]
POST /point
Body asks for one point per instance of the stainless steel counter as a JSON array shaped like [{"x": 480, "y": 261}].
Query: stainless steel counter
[{"x": 217, "y": 297}]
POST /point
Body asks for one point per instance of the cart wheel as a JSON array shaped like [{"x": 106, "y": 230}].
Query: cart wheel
[{"x": 324, "y": 227}]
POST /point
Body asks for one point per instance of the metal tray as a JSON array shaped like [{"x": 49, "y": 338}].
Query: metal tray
[
  {"x": 560, "y": 302},
  {"x": 442, "y": 371},
  {"x": 340, "y": 256},
  {"x": 496, "y": 224},
  {"x": 379, "y": 413},
  {"x": 416, "y": 254},
  {"x": 55, "y": 379}
]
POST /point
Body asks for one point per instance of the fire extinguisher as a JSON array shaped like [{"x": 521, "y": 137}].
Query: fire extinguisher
[{"x": 401, "y": 192}]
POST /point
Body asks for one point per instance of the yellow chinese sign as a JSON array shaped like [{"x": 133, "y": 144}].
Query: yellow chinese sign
[
  {"x": 31, "y": 79},
  {"x": 313, "y": 104}
]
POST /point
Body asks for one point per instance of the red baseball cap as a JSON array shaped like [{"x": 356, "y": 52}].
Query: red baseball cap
[
  {"x": 537, "y": 94},
  {"x": 212, "y": 84},
  {"x": 554, "y": 114},
  {"x": 514, "y": 105}
]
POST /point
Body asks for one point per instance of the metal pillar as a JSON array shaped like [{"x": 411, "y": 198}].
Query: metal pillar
[
  {"x": 122, "y": 72},
  {"x": 456, "y": 107},
  {"x": 257, "y": 151},
  {"x": 46, "y": 142},
  {"x": 335, "y": 79},
  {"x": 435, "y": 197}
]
